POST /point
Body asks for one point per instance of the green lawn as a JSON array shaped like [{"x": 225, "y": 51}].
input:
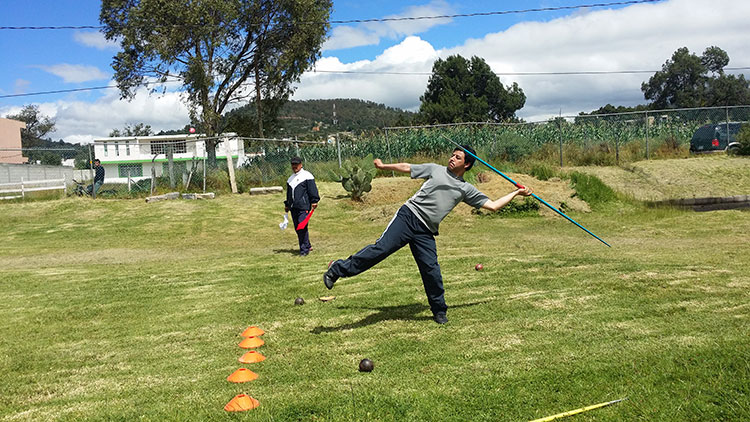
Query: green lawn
[
  {"x": 707, "y": 175},
  {"x": 122, "y": 310}
]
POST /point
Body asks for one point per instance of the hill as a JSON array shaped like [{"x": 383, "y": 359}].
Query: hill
[{"x": 315, "y": 117}]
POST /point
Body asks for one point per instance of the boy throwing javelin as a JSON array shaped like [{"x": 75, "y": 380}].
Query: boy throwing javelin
[{"x": 416, "y": 223}]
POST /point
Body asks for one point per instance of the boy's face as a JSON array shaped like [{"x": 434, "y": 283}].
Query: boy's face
[
  {"x": 457, "y": 160},
  {"x": 296, "y": 167}
]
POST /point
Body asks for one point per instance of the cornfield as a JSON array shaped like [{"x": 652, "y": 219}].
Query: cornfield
[{"x": 567, "y": 140}]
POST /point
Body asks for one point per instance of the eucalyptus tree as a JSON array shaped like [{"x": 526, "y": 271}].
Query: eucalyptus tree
[{"x": 221, "y": 51}]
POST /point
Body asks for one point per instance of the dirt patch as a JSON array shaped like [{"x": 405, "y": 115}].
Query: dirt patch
[{"x": 389, "y": 193}]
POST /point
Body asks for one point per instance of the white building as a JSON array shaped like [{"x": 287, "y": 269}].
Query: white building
[{"x": 135, "y": 156}]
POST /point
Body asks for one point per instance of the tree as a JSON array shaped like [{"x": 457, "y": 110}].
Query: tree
[
  {"x": 213, "y": 47},
  {"x": 460, "y": 90},
  {"x": 684, "y": 81},
  {"x": 49, "y": 158},
  {"x": 139, "y": 129},
  {"x": 37, "y": 125}
]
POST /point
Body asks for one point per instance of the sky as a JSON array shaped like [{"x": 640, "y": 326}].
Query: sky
[{"x": 636, "y": 37}]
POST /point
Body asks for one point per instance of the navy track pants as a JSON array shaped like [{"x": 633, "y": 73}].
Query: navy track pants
[
  {"x": 303, "y": 236},
  {"x": 404, "y": 228}
]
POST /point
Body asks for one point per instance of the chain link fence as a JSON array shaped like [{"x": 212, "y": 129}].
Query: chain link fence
[{"x": 602, "y": 139}]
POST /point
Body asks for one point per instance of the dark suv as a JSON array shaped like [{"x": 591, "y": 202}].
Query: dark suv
[{"x": 714, "y": 137}]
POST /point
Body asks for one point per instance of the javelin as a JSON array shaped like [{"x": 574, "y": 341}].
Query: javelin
[
  {"x": 519, "y": 186},
  {"x": 577, "y": 411}
]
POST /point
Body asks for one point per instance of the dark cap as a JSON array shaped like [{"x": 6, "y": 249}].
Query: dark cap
[{"x": 296, "y": 160}]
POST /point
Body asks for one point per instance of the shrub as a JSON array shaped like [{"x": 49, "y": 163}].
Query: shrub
[
  {"x": 743, "y": 137},
  {"x": 217, "y": 180},
  {"x": 671, "y": 148},
  {"x": 591, "y": 189},
  {"x": 529, "y": 207},
  {"x": 542, "y": 171}
]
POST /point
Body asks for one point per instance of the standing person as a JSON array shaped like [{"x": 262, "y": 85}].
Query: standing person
[
  {"x": 301, "y": 197},
  {"x": 98, "y": 177},
  {"x": 417, "y": 221}
]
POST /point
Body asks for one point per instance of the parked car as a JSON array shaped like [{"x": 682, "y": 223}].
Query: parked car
[{"x": 714, "y": 137}]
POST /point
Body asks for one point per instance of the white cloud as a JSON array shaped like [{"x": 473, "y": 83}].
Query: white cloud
[
  {"x": 348, "y": 37},
  {"x": 370, "y": 33},
  {"x": 638, "y": 37},
  {"x": 95, "y": 39},
  {"x": 81, "y": 122},
  {"x": 411, "y": 55},
  {"x": 75, "y": 73}
]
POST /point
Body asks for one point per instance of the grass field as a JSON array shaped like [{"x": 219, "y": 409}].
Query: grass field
[
  {"x": 711, "y": 175},
  {"x": 122, "y": 310}
]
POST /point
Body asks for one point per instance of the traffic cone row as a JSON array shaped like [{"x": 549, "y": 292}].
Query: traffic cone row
[{"x": 251, "y": 340}]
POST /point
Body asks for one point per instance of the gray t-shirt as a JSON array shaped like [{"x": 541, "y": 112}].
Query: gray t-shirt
[{"x": 440, "y": 194}]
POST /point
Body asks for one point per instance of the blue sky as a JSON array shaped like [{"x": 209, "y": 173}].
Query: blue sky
[{"x": 633, "y": 37}]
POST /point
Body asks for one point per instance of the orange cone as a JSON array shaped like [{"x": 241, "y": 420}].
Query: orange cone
[
  {"x": 241, "y": 402},
  {"x": 252, "y": 331},
  {"x": 252, "y": 357},
  {"x": 242, "y": 375},
  {"x": 251, "y": 342}
]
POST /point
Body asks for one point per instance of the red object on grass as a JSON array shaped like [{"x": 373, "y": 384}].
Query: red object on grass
[{"x": 303, "y": 223}]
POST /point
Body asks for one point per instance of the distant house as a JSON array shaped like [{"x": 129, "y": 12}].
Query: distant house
[
  {"x": 10, "y": 141},
  {"x": 135, "y": 156}
]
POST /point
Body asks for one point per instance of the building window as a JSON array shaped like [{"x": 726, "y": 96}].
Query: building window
[
  {"x": 117, "y": 149},
  {"x": 127, "y": 147},
  {"x": 160, "y": 147},
  {"x": 105, "y": 149},
  {"x": 130, "y": 169}
]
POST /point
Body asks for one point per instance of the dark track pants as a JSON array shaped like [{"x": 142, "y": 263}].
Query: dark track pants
[
  {"x": 302, "y": 235},
  {"x": 404, "y": 228}
]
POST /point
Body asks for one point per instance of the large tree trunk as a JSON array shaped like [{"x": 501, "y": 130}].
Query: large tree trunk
[{"x": 211, "y": 151}]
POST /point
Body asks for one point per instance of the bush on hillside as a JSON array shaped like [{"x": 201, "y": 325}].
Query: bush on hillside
[{"x": 591, "y": 189}]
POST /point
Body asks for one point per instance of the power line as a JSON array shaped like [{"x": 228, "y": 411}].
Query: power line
[
  {"x": 363, "y": 72},
  {"x": 504, "y": 12},
  {"x": 63, "y": 91},
  {"x": 395, "y": 19}
]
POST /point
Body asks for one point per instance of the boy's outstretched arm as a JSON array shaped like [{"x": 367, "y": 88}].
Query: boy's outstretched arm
[
  {"x": 400, "y": 167},
  {"x": 501, "y": 202}
]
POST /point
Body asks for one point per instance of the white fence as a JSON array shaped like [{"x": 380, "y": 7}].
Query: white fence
[
  {"x": 24, "y": 187},
  {"x": 13, "y": 173}
]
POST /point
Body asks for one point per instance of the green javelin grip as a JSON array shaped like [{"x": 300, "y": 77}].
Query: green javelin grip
[{"x": 521, "y": 187}]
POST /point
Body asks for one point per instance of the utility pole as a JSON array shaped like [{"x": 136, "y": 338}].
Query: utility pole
[
  {"x": 91, "y": 171},
  {"x": 338, "y": 145}
]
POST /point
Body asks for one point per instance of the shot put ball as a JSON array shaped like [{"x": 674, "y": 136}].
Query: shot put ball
[{"x": 366, "y": 365}]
